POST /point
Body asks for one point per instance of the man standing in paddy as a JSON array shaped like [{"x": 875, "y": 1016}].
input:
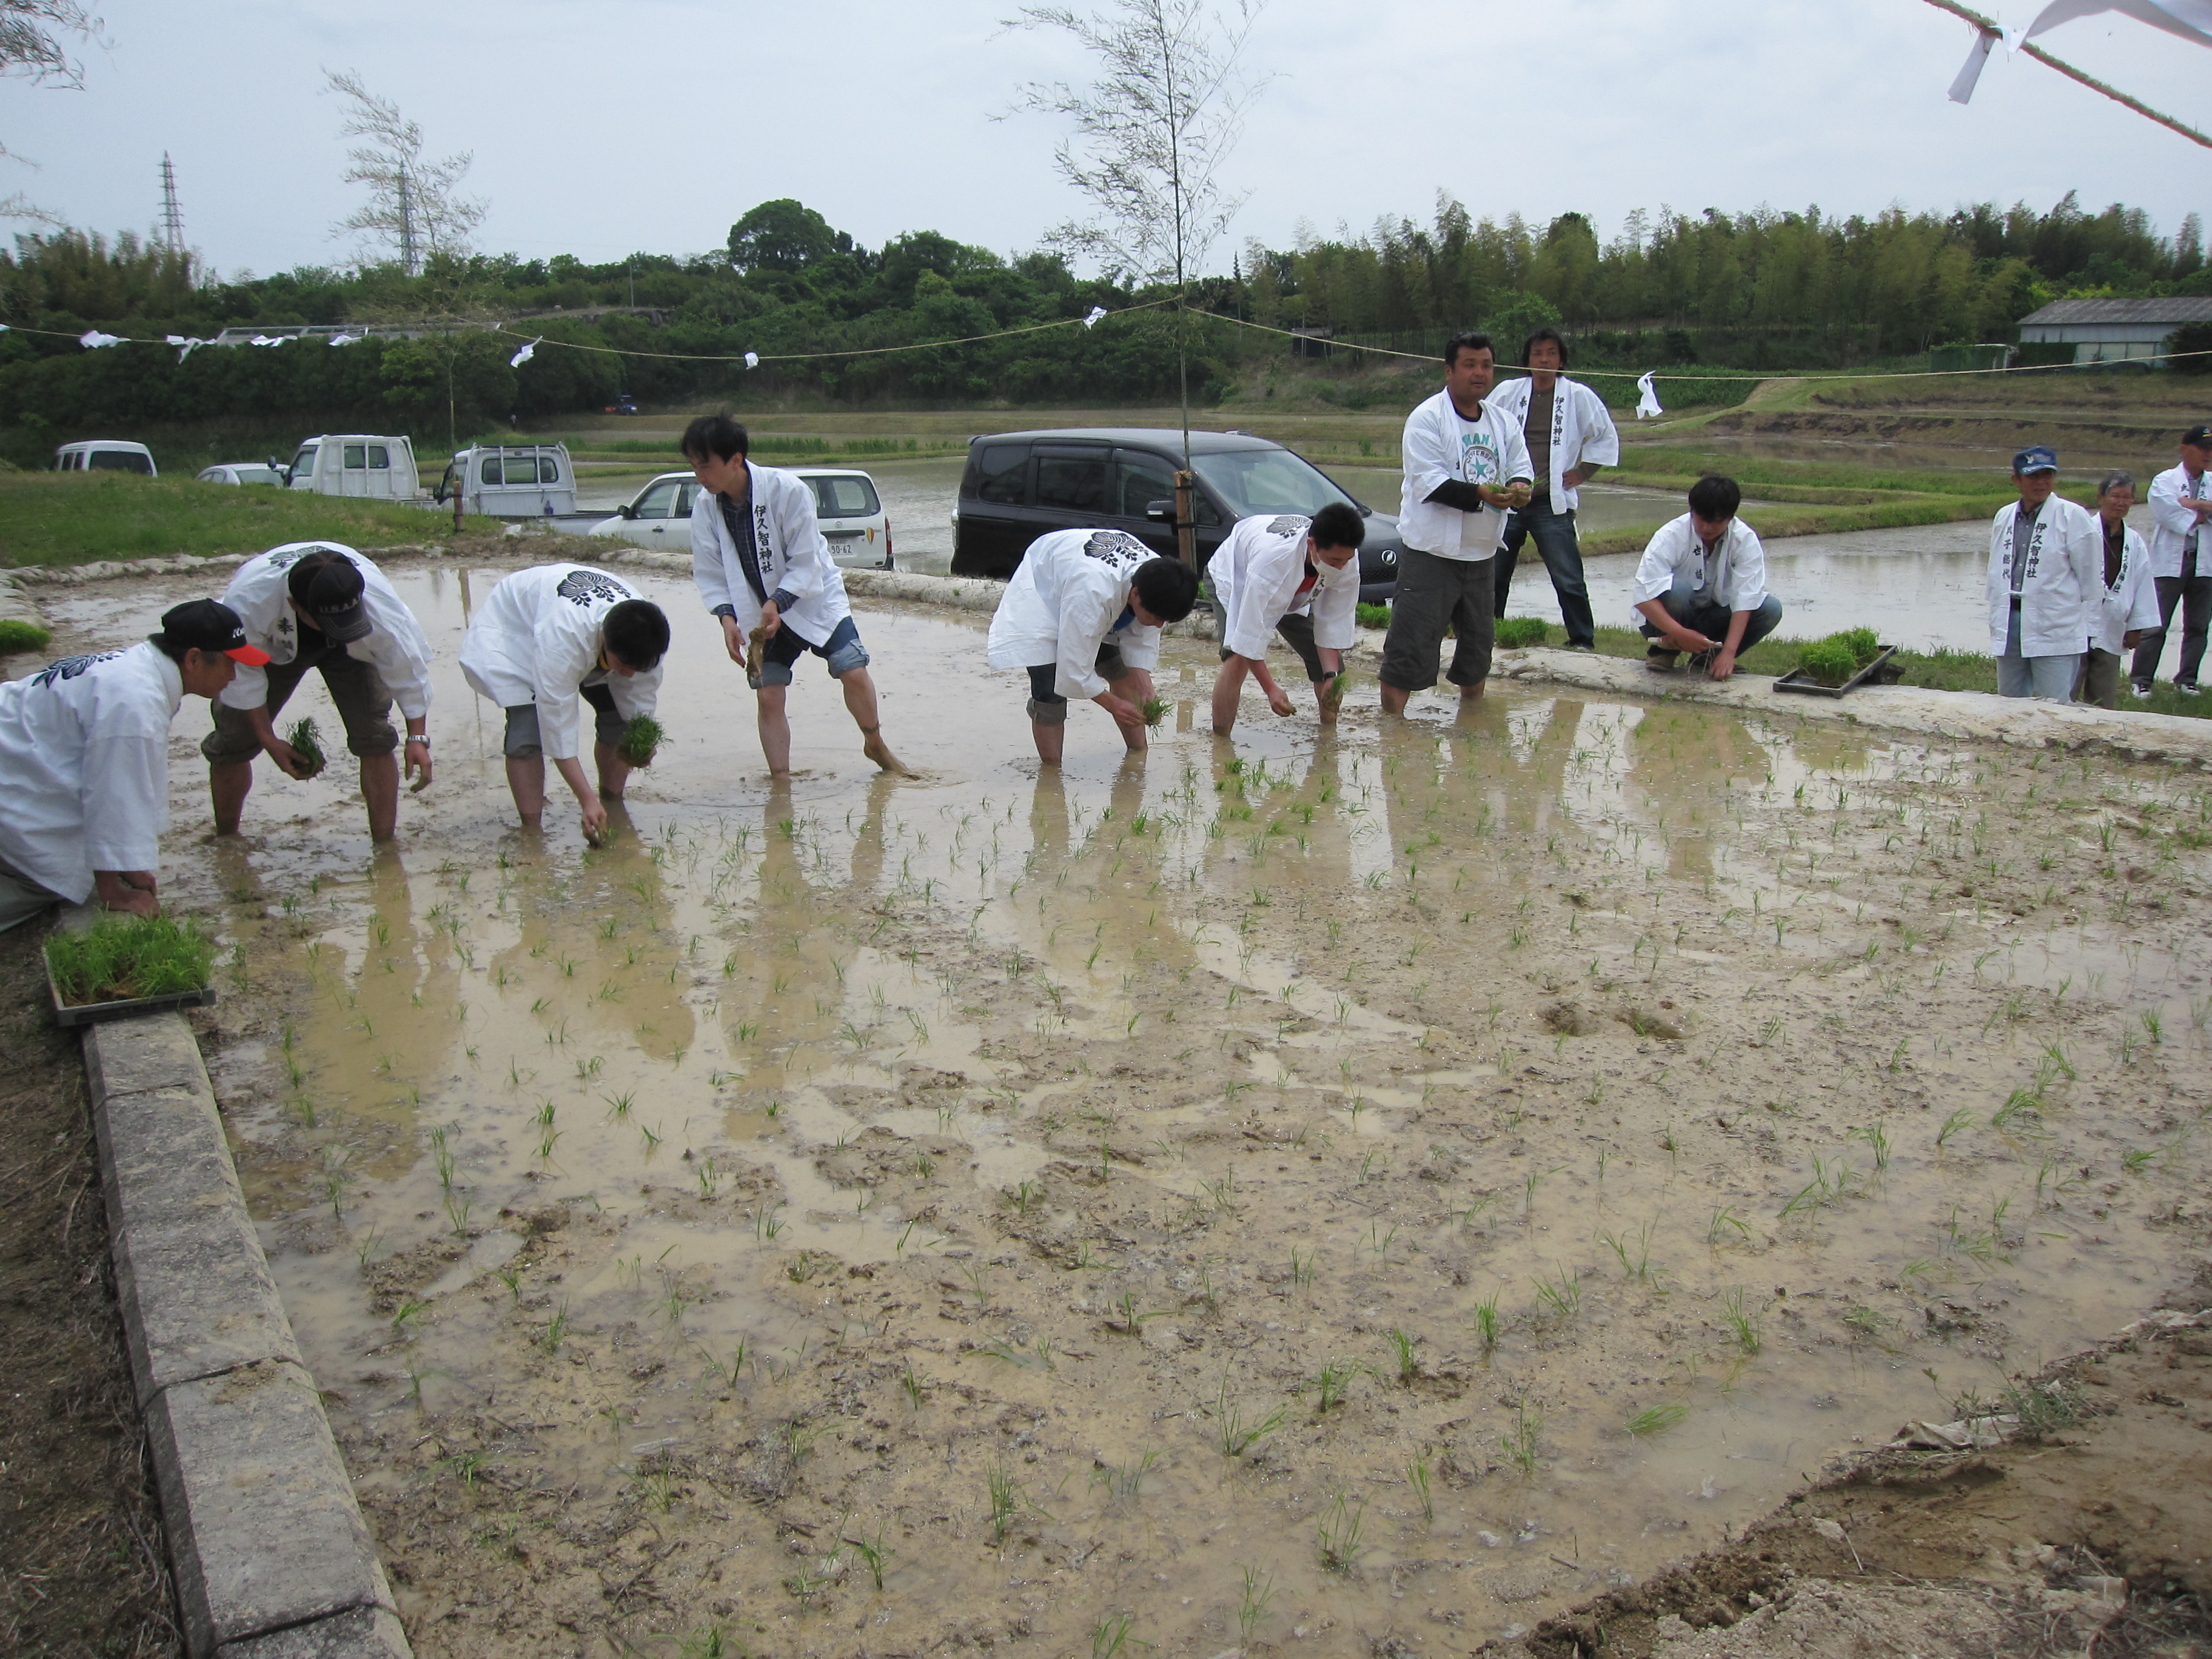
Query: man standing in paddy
[
  {"x": 1465, "y": 466},
  {"x": 1570, "y": 436},
  {"x": 2046, "y": 588},
  {"x": 760, "y": 562}
]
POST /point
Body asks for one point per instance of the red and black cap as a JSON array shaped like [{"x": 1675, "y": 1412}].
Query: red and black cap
[{"x": 210, "y": 625}]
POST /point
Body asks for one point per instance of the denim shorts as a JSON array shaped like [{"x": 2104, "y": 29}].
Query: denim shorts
[
  {"x": 363, "y": 705},
  {"x": 522, "y": 740},
  {"x": 842, "y": 651}
]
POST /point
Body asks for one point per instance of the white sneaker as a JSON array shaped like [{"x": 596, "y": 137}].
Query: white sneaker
[
  {"x": 2185, "y": 689},
  {"x": 2140, "y": 689}
]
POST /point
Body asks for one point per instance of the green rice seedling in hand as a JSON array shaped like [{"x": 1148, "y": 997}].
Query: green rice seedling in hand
[
  {"x": 1831, "y": 661},
  {"x": 641, "y": 739},
  {"x": 307, "y": 741},
  {"x": 122, "y": 956},
  {"x": 1155, "y": 709}
]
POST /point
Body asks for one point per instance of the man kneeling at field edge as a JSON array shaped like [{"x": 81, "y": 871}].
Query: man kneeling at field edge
[
  {"x": 1294, "y": 576},
  {"x": 1701, "y": 586}
]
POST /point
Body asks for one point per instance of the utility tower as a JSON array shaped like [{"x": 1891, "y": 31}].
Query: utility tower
[{"x": 172, "y": 214}]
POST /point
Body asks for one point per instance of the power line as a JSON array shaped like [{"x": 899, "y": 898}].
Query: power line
[{"x": 172, "y": 213}]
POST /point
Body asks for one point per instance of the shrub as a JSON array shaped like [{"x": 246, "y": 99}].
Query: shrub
[
  {"x": 17, "y": 635},
  {"x": 641, "y": 740},
  {"x": 1831, "y": 661},
  {"x": 120, "y": 957},
  {"x": 1514, "y": 632}
]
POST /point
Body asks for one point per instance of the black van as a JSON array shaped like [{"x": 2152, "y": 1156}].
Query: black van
[{"x": 1019, "y": 485}]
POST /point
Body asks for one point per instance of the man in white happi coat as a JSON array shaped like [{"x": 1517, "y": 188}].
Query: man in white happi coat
[
  {"x": 2045, "y": 599},
  {"x": 543, "y": 638},
  {"x": 84, "y": 762},
  {"x": 2180, "y": 505},
  {"x": 1466, "y": 467},
  {"x": 1285, "y": 574},
  {"x": 2128, "y": 605},
  {"x": 322, "y": 607},
  {"x": 761, "y": 565},
  {"x": 1701, "y": 585},
  {"x": 1570, "y": 435},
  {"x": 1083, "y": 615}
]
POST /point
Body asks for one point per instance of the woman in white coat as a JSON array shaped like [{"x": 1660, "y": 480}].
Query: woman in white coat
[
  {"x": 2130, "y": 605},
  {"x": 2044, "y": 591}
]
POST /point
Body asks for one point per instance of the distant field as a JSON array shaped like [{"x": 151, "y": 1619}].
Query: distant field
[{"x": 63, "y": 518}]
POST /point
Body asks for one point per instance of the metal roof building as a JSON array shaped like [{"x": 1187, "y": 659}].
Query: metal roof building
[{"x": 2111, "y": 330}]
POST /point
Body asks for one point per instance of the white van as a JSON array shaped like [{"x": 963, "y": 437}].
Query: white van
[
  {"x": 104, "y": 455},
  {"x": 363, "y": 463},
  {"x": 512, "y": 481}
]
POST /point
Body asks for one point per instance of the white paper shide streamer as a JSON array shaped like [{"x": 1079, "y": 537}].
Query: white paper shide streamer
[
  {"x": 524, "y": 354},
  {"x": 1977, "y": 55},
  {"x": 753, "y": 359},
  {"x": 91, "y": 339},
  {"x": 186, "y": 344},
  {"x": 1098, "y": 315},
  {"x": 1647, "y": 398}
]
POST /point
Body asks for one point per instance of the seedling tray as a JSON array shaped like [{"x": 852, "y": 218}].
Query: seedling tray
[
  {"x": 1880, "y": 672},
  {"x": 69, "y": 1014}
]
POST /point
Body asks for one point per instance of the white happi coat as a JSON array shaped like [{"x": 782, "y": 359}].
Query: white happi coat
[
  {"x": 396, "y": 647},
  {"x": 1255, "y": 575},
  {"x": 84, "y": 767},
  {"x": 2172, "y": 523},
  {"x": 2061, "y": 602},
  {"x": 1734, "y": 573},
  {"x": 2130, "y": 599},
  {"x": 1065, "y": 597},
  {"x": 536, "y": 639},
  {"x": 794, "y": 558},
  {"x": 1582, "y": 430},
  {"x": 1439, "y": 447}
]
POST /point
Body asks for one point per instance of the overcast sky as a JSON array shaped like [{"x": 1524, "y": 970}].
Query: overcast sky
[{"x": 603, "y": 128}]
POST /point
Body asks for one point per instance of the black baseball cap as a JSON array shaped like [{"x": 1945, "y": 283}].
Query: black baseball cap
[
  {"x": 2199, "y": 435},
  {"x": 327, "y": 585},
  {"x": 212, "y": 625}
]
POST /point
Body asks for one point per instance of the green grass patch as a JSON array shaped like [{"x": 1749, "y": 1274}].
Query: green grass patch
[
  {"x": 1514, "y": 632},
  {"x": 66, "y": 517},
  {"x": 307, "y": 738},
  {"x": 641, "y": 739},
  {"x": 17, "y": 635},
  {"x": 122, "y": 956}
]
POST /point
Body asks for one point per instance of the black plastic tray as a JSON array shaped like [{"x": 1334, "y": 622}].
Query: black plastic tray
[
  {"x": 1880, "y": 672},
  {"x": 69, "y": 1014}
]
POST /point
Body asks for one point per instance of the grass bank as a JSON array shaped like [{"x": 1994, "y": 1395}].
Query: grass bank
[{"x": 64, "y": 518}]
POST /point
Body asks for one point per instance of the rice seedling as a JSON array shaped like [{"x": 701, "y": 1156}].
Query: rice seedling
[
  {"x": 1301, "y": 1269},
  {"x": 1519, "y": 1444},
  {"x": 1877, "y": 1139},
  {"x": 1409, "y": 1365},
  {"x": 1868, "y": 1323},
  {"x": 1110, "y": 1635},
  {"x": 1959, "y": 1119},
  {"x": 911, "y": 1383},
  {"x": 1724, "y": 1224},
  {"x": 1655, "y": 1420},
  {"x": 1635, "y": 1262},
  {"x": 1562, "y": 1294},
  {"x": 307, "y": 739},
  {"x": 1259, "y": 1594},
  {"x": 1006, "y": 1502},
  {"x": 872, "y": 1554},
  {"x": 1337, "y": 1534},
  {"x": 555, "y": 1331},
  {"x": 1743, "y": 1321},
  {"x": 642, "y": 738},
  {"x": 120, "y": 957},
  {"x": 1485, "y": 1319},
  {"x": 1335, "y": 1378},
  {"x": 1123, "y": 1479}
]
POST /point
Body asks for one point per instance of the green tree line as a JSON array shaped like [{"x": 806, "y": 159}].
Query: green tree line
[{"x": 1758, "y": 290}]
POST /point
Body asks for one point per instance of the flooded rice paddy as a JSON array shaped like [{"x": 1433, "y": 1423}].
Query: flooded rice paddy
[{"x": 1300, "y": 1194}]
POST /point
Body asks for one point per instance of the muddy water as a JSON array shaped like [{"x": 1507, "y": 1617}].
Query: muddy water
[{"x": 1034, "y": 1180}]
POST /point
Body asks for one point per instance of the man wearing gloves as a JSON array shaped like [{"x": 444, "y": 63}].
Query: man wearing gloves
[
  {"x": 84, "y": 762},
  {"x": 761, "y": 565},
  {"x": 2128, "y": 604},
  {"x": 2179, "y": 506},
  {"x": 1701, "y": 585},
  {"x": 545, "y": 636},
  {"x": 1570, "y": 436},
  {"x": 1294, "y": 576},
  {"x": 1465, "y": 466},
  {"x": 2044, "y": 592},
  {"x": 315, "y": 605},
  {"x": 1083, "y": 615}
]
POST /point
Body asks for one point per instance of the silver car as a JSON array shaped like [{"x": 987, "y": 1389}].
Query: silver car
[{"x": 243, "y": 472}]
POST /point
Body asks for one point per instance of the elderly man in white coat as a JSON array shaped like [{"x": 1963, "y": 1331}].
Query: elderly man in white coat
[
  {"x": 761, "y": 565},
  {"x": 2129, "y": 602},
  {"x": 2179, "y": 506},
  {"x": 1083, "y": 615},
  {"x": 2046, "y": 598},
  {"x": 1288, "y": 574},
  {"x": 1570, "y": 435},
  {"x": 1466, "y": 467},
  {"x": 321, "y": 606},
  {"x": 84, "y": 762},
  {"x": 542, "y": 638}
]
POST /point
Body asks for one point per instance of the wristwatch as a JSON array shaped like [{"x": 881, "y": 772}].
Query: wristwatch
[{"x": 424, "y": 739}]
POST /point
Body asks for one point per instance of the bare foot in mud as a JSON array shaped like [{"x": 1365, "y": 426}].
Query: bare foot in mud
[{"x": 877, "y": 750}]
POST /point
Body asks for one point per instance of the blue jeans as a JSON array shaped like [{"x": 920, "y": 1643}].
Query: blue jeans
[
  {"x": 2051, "y": 678},
  {"x": 1562, "y": 559},
  {"x": 1695, "y": 607}
]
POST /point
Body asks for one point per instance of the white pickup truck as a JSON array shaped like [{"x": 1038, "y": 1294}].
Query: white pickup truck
[
  {"x": 373, "y": 465},
  {"x": 512, "y": 481}
]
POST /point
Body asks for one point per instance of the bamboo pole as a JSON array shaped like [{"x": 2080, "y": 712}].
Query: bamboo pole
[{"x": 1989, "y": 26}]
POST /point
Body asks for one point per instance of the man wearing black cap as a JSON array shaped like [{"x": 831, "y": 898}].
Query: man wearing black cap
[
  {"x": 318, "y": 605},
  {"x": 84, "y": 762},
  {"x": 2046, "y": 588},
  {"x": 2180, "y": 505}
]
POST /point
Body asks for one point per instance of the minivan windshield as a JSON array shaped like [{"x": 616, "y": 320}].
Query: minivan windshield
[{"x": 1254, "y": 481}]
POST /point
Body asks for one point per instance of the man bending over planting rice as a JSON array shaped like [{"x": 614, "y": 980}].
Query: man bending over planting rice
[
  {"x": 1083, "y": 615},
  {"x": 1701, "y": 586},
  {"x": 84, "y": 762},
  {"x": 316, "y": 605},
  {"x": 1294, "y": 576},
  {"x": 544, "y": 637},
  {"x": 761, "y": 565}
]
